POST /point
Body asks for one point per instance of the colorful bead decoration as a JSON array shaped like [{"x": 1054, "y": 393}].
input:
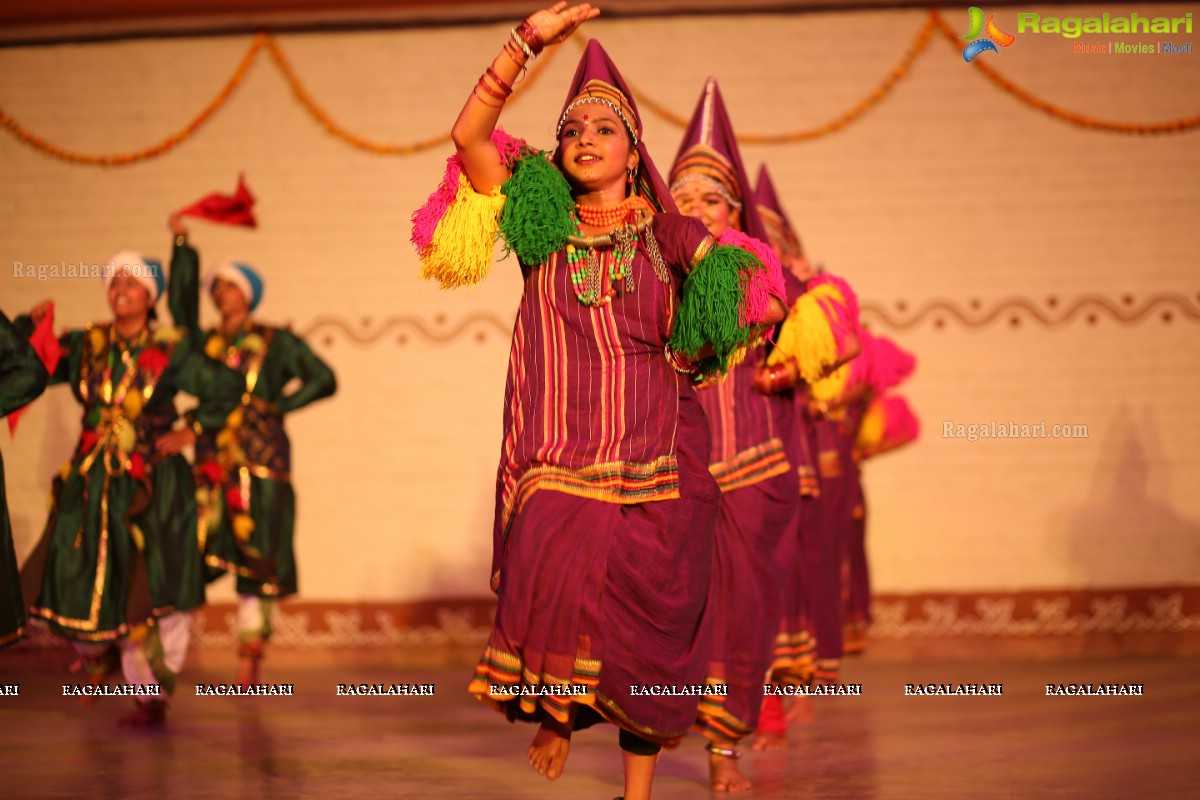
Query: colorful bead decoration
[{"x": 586, "y": 267}]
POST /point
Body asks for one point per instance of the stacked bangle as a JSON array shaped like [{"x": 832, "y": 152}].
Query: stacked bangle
[
  {"x": 527, "y": 38},
  {"x": 529, "y": 33},
  {"x": 479, "y": 97},
  {"x": 678, "y": 362},
  {"x": 483, "y": 84},
  {"x": 504, "y": 86},
  {"x": 778, "y": 379},
  {"x": 512, "y": 51}
]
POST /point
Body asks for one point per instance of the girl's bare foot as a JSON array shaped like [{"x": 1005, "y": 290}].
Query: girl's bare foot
[
  {"x": 771, "y": 733},
  {"x": 723, "y": 772},
  {"x": 765, "y": 740},
  {"x": 548, "y": 752}
]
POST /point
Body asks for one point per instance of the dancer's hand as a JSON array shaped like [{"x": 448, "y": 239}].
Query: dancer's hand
[
  {"x": 775, "y": 378},
  {"x": 172, "y": 443},
  {"x": 39, "y": 312},
  {"x": 818, "y": 409},
  {"x": 558, "y": 22},
  {"x": 776, "y": 313},
  {"x": 175, "y": 223}
]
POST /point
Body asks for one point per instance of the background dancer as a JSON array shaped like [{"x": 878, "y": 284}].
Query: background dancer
[
  {"x": 819, "y": 335},
  {"x": 121, "y": 563},
  {"x": 22, "y": 379},
  {"x": 749, "y": 459},
  {"x": 247, "y": 507}
]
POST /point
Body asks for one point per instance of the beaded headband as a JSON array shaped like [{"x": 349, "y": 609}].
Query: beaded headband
[
  {"x": 597, "y": 91},
  {"x": 710, "y": 183},
  {"x": 703, "y": 163}
]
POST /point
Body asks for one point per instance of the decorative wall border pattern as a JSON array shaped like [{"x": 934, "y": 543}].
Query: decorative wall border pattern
[
  {"x": 320, "y": 626},
  {"x": 1050, "y": 313},
  {"x": 1037, "y": 613},
  {"x": 466, "y": 622},
  {"x": 404, "y": 329}
]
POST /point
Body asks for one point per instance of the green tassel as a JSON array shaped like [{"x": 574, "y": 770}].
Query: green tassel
[
  {"x": 710, "y": 309},
  {"x": 538, "y": 216}
]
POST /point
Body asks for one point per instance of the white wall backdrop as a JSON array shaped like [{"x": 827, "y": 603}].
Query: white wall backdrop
[{"x": 950, "y": 201}]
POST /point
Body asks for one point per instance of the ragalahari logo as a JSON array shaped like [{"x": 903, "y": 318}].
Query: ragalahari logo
[{"x": 978, "y": 45}]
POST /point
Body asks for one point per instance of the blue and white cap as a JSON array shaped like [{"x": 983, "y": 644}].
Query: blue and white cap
[
  {"x": 148, "y": 271},
  {"x": 243, "y": 276}
]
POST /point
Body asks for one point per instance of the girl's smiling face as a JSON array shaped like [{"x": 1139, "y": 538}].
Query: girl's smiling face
[{"x": 594, "y": 149}]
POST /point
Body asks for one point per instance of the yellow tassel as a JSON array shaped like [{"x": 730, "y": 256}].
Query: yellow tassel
[
  {"x": 870, "y": 431},
  {"x": 806, "y": 337},
  {"x": 739, "y": 355},
  {"x": 831, "y": 387},
  {"x": 464, "y": 242}
]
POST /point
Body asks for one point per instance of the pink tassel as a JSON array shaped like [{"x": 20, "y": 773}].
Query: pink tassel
[
  {"x": 900, "y": 424},
  {"x": 851, "y": 310},
  {"x": 762, "y": 286},
  {"x": 843, "y": 317},
  {"x": 884, "y": 363},
  {"x": 426, "y": 218},
  {"x": 508, "y": 146},
  {"x": 894, "y": 365},
  {"x": 860, "y": 366}
]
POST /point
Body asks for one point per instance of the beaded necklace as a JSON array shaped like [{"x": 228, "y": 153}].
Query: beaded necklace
[
  {"x": 608, "y": 216},
  {"x": 584, "y": 262}
]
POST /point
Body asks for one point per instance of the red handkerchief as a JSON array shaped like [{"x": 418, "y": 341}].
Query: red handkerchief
[{"x": 229, "y": 209}]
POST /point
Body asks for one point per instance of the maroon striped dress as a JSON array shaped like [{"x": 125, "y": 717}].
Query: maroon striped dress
[
  {"x": 605, "y": 507},
  {"x": 760, "y": 500}
]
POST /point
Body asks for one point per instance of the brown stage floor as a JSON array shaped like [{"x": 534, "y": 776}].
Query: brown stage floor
[{"x": 879, "y": 746}]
